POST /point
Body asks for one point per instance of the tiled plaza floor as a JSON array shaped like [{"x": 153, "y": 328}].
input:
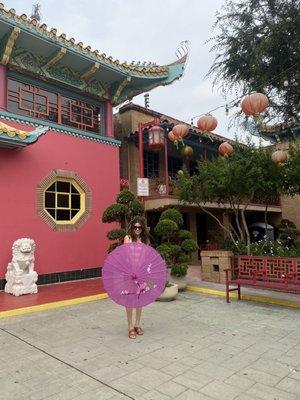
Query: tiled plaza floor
[{"x": 196, "y": 347}]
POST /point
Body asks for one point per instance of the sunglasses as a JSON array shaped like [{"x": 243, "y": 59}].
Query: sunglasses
[{"x": 137, "y": 227}]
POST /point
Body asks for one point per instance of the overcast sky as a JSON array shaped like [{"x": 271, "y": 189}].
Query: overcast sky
[{"x": 147, "y": 30}]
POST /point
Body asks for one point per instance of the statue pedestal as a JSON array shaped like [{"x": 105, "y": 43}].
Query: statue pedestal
[{"x": 18, "y": 284}]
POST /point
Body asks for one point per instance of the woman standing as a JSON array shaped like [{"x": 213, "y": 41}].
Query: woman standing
[{"x": 138, "y": 233}]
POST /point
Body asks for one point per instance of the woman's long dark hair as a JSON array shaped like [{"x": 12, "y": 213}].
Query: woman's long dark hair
[{"x": 144, "y": 231}]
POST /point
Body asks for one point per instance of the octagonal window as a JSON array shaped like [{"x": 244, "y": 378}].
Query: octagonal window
[{"x": 63, "y": 201}]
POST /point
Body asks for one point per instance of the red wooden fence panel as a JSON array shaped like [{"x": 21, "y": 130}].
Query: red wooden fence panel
[{"x": 271, "y": 269}]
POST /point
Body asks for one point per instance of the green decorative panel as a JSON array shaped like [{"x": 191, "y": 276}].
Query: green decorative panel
[
  {"x": 95, "y": 87},
  {"x": 64, "y": 74},
  {"x": 29, "y": 62}
]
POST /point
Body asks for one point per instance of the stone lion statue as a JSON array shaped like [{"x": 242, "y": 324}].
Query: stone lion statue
[
  {"x": 20, "y": 276},
  {"x": 23, "y": 256}
]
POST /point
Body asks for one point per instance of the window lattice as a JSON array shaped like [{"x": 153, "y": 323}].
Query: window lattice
[
  {"x": 63, "y": 200},
  {"x": 151, "y": 165},
  {"x": 35, "y": 102}
]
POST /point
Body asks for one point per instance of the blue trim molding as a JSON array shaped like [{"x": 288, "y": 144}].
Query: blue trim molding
[{"x": 60, "y": 128}]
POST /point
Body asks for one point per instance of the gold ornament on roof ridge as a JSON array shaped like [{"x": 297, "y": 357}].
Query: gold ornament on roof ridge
[{"x": 11, "y": 132}]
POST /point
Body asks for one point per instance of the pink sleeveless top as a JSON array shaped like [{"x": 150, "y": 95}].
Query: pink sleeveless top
[{"x": 130, "y": 239}]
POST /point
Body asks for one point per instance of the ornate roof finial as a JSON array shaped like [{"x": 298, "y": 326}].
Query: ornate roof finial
[
  {"x": 146, "y": 97},
  {"x": 182, "y": 50},
  {"x": 36, "y": 12}
]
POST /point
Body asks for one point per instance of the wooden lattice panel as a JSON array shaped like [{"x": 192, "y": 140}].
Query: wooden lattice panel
[
  {"x": 277, "y": 268},
  {"x": 248, "y": 264},
  {"x": 297, "y": 269},
  {"x": 271, "y": 269}
]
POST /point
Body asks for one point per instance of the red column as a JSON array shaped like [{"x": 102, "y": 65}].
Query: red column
[
  {"x": 109, "y": 123},
  {"x": 166, "y": 167},
  {"x": 141, "y": 152},
  {"x": 3, "y": 88}
]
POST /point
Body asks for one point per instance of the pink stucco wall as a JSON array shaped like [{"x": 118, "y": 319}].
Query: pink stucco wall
[{"x": 21, "y": 171}]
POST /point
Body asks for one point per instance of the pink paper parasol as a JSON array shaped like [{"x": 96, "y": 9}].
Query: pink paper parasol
[{"x": 134, "y": 275}]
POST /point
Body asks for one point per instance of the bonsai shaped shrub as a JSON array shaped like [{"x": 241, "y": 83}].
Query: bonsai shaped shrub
[
  {"x": 126, "y": 207},
  {"x": 288, "y": 233},
  {"x": 177, "y": 244}
]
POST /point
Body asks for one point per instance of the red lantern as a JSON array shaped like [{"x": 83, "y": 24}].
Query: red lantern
[
  {"x": 225, "y": 149},
  {"x": 180, "y": 131},
  {"x": 173, "y": 138},
  {"x": 207, "y": 123},
  {"x": 279, "y": 156},
  {"x": 156, "y": 136},
  {"x": 254, "y": 104}
]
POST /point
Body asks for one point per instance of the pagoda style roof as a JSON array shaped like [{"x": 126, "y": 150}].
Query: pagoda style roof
[
  {"x": 34, "y": 49},
  {"x": 281, "y": 132},
  {"x": 11, "y": 137},
  {"x": 193, "y": 131}
]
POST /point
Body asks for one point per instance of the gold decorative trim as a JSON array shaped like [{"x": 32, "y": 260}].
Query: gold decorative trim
[
  {"x": 10, "y": 45},
  {"x": 81, "y": 218},
  {"x": 90, "y": 72},
  {"x": 120, "y": 88},
  {"x": 55, "y": 58},
  {"x": 12, "y": 132}
]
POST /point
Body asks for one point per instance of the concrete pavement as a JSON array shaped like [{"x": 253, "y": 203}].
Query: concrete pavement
[{"x": 197, "y": 347}]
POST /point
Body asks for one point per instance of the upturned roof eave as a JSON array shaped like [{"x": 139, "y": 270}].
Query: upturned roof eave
[
  {"x": 12, "y": 138},
  {"x": 53, "y": 58},
  {"x": 176, "y": 71},
  {"x": 77, "y": 49}
]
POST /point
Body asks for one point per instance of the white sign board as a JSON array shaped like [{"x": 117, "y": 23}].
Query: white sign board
[{"x": 142, "y": 187}]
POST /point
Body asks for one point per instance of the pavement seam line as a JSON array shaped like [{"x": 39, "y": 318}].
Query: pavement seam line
[
  {"x": 65, "y": 363},
  {"x": 249, "y": 297}
]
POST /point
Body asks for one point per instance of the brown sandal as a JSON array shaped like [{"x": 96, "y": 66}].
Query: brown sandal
[
  {"x": 139, "y": 330},
  {"x": 132, "y": 333}
]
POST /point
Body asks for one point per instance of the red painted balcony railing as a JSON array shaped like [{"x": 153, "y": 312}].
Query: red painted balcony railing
[{"x": 275, "y": 202}]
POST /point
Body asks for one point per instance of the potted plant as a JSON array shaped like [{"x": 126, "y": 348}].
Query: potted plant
[
  {"x": 170, "y": 292},
  {"x": 176, "y": 247}
]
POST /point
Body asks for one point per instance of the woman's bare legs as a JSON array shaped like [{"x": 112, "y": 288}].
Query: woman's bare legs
[
  {"x": 131, "y": 330},
  {"x": 129, "y": 312},
  {"x": 138, "y": 316},
  {"x": 137, "y": 325}
]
